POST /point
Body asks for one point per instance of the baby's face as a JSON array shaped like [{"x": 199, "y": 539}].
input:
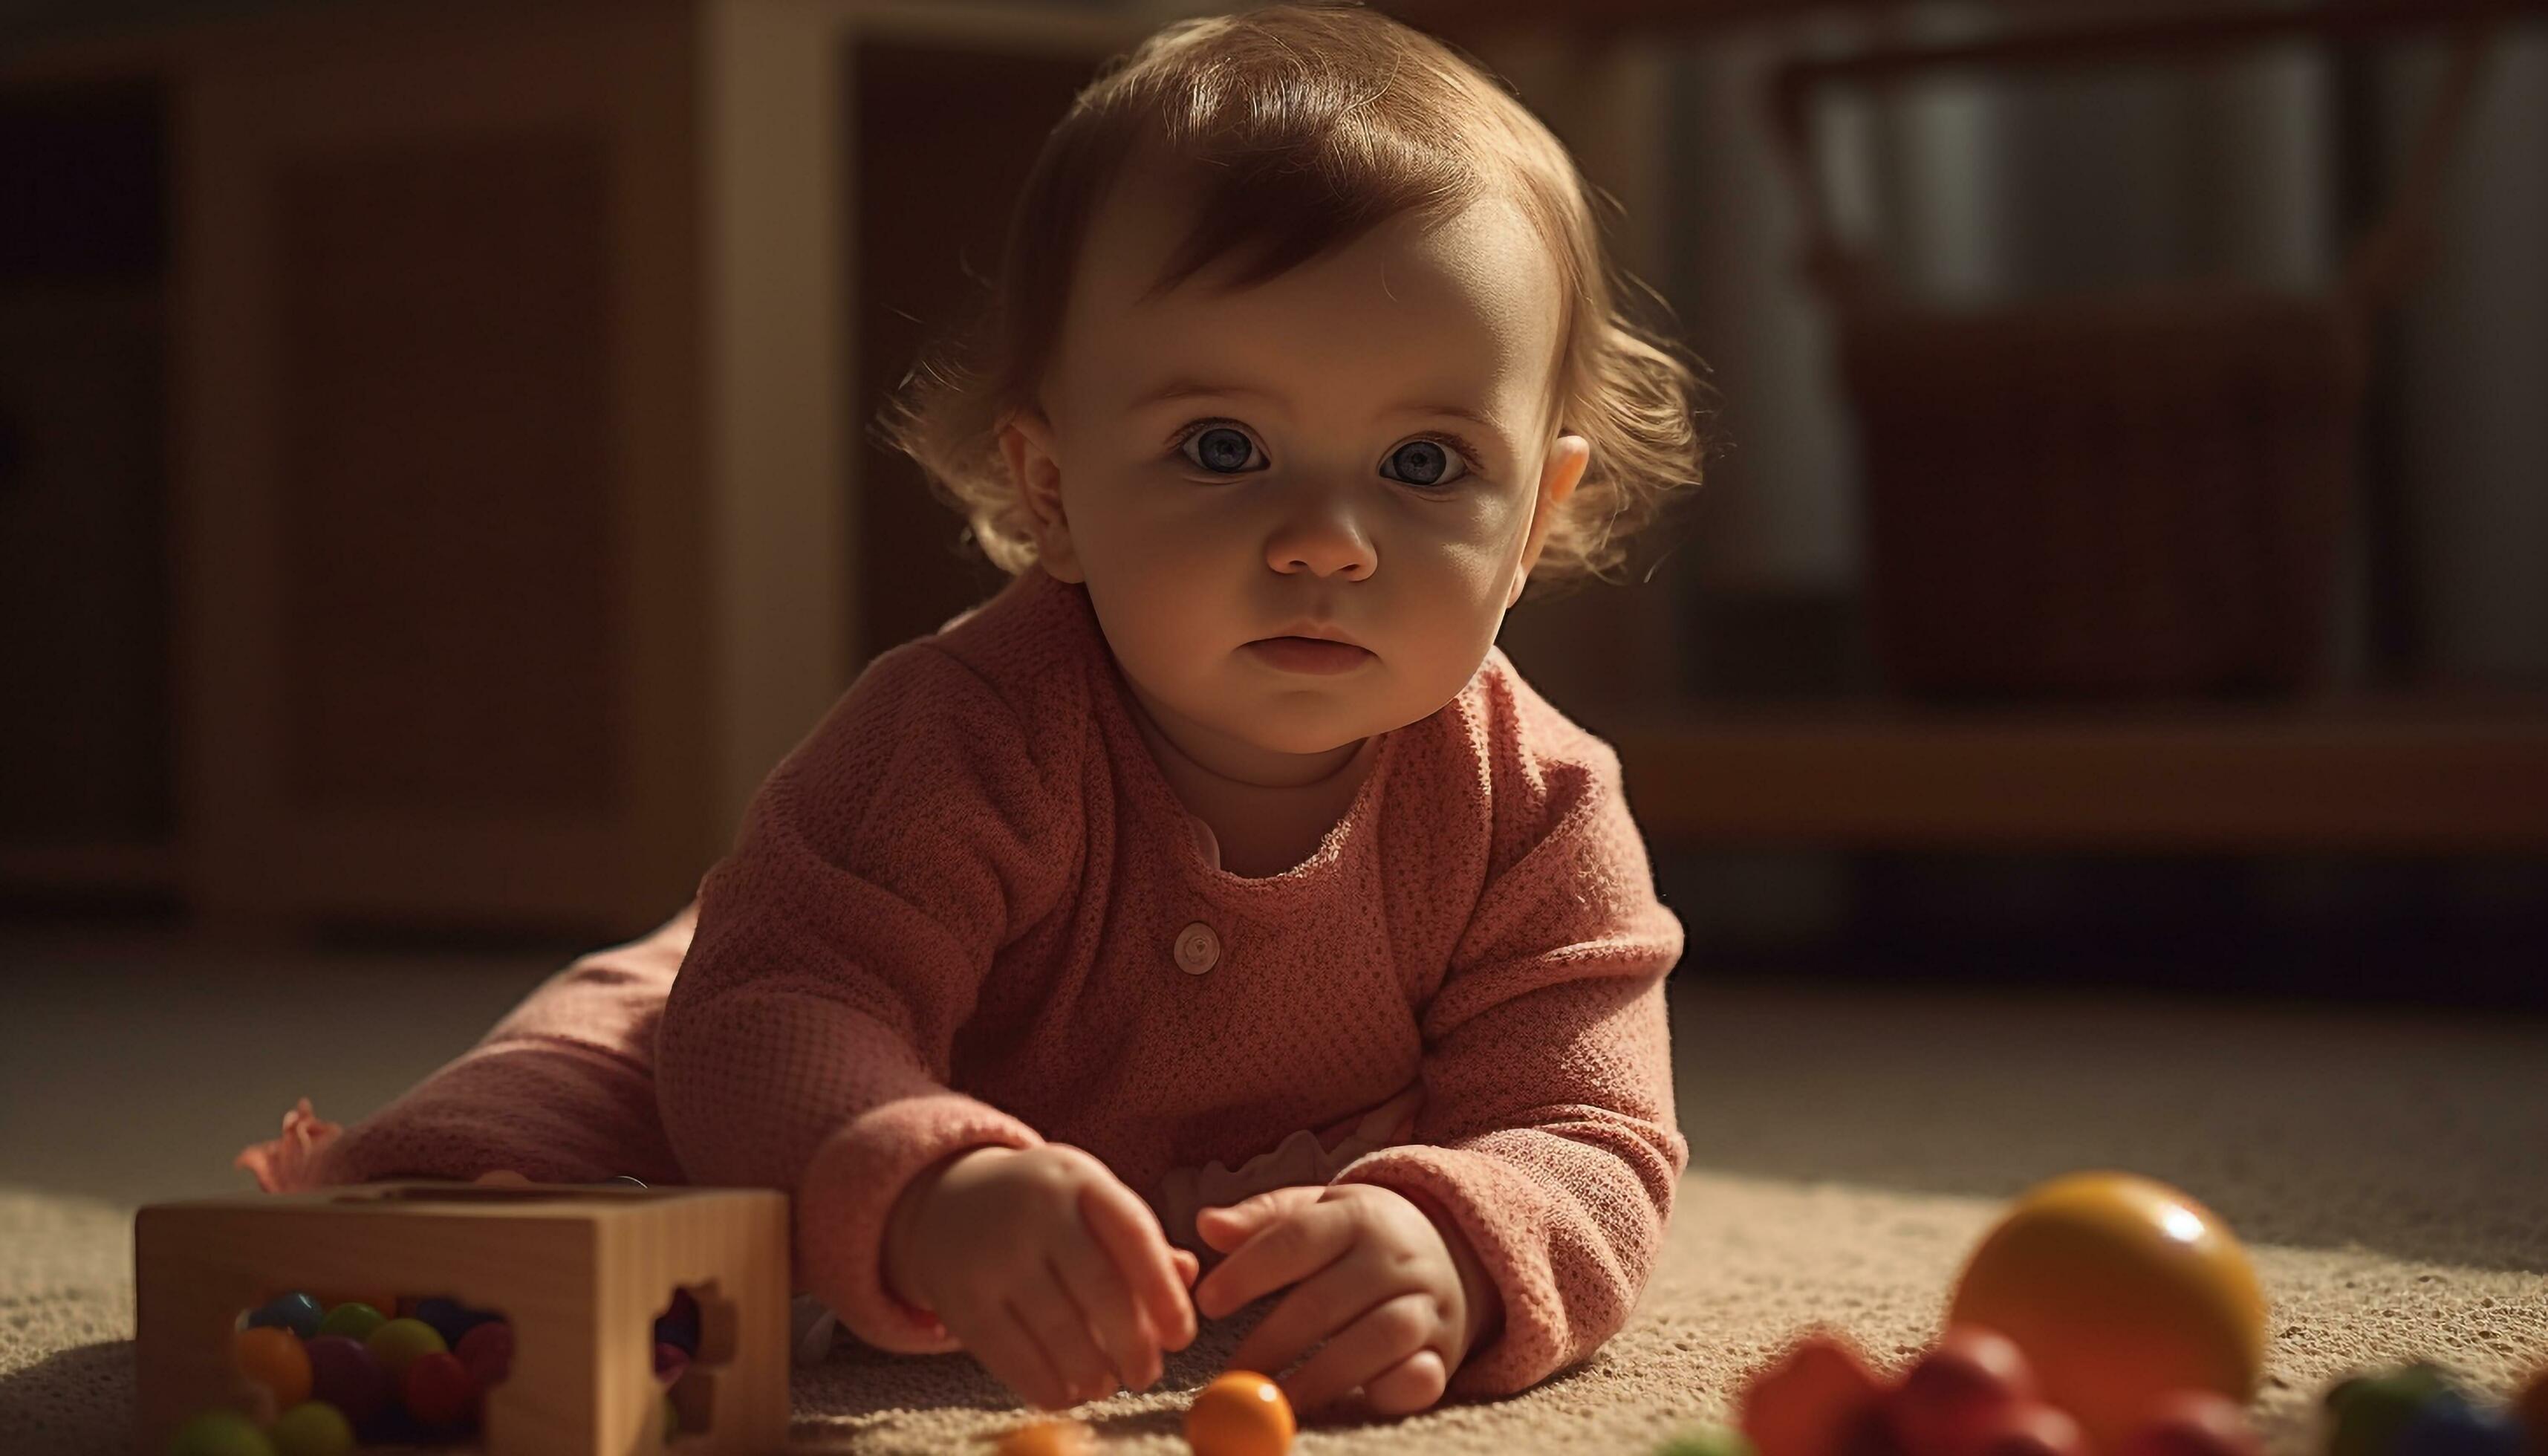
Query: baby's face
[{"x": 1222, "y": 470}]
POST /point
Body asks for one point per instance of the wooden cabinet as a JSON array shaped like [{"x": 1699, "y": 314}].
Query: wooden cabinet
[{"x": 513, "y": 482}]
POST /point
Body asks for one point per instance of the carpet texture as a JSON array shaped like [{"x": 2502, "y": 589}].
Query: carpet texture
[{"x": 2389, "y": 1172}]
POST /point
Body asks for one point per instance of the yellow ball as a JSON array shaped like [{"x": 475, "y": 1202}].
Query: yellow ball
[
  {"x": 399, "y": 1344},
  {"x": 2118, "y": 1288},
  {"x": 1240, "y": 1413}
]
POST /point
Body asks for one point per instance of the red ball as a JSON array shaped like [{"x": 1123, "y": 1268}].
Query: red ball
[
  {"x": 670, "y": 1361},
  {"x": 487, "y": 1352},
  {"x": 2031, "y": 1429},
  {"x": 2193, "y": 1422},
  {"x": 1804, "y": 1403},
  {"x": 1966, "y": 1382},
  {"x": 439, "y": 1390}
]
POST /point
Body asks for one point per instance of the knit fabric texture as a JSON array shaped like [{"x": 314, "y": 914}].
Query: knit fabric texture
[{"x": 967, "y": 909}]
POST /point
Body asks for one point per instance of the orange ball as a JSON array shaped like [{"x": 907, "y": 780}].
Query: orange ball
[
  {"x": 2120, "y": 1288},
  {"x": 1048, "y": 1439},
  {"x": 1240, "y": 1413},
  {"x": 274, "y": 1358},
  {"x": 1804, "y": 1403}
]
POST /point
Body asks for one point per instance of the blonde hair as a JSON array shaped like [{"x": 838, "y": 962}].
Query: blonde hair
[{"x": 1301, "y": 128}]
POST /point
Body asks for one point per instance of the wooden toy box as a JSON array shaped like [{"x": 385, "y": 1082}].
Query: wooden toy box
[{"x": 580, "y": 1270}]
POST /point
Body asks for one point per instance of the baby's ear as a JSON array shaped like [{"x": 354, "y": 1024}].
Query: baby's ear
[{"x": 1034, "y": 472}]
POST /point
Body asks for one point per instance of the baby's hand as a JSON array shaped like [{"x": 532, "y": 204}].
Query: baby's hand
[
  {"x": 1378, "y": 1283},
  {"x": 1009, "y": 1246}
]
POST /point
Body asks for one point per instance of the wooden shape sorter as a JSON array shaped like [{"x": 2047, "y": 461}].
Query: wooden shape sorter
[{"x": 581, "y": 1271}]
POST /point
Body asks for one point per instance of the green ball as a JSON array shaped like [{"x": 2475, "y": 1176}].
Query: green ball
[
  {"x": 1708, "y": 1440},
  {"x": 672, "y": 1417},
  {"x": 220, "y": 1434},
  {"x": 353, "y": 1320},
  {"x": 2370, "y": 1411},
  {"x": 311, "y": 1428},
  {"x": 398, "y": 1343}
]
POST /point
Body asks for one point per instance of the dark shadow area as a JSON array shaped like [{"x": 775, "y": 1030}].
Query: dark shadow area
[
  {"x": 2465, "y": 931},
  {"x": 77, "y": 1401}
]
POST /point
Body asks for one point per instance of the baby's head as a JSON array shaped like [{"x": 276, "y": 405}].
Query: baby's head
[{"x": 1305, "y": 325}]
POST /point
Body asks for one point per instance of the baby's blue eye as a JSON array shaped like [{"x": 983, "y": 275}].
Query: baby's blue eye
[
  {"x": 1222, "y": 448},
  {"x": 1422, "y": 463},
  {"x": 1431, "y": 463}
]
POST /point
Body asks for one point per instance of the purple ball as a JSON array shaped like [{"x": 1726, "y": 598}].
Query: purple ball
[
  {"x": 344, "y": 1373},
  {"x": 670, "y": 1361}
]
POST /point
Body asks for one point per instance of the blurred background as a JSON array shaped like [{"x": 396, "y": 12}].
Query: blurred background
[{"x": 435, "y": 478}]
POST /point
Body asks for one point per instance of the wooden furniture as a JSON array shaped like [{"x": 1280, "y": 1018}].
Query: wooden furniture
[
  {"x": 513, "y": 485},
  {"x": 2426, "y": 774},
  {"x": 519, "y": 509},
  {"x": 579, "y": 1271}
]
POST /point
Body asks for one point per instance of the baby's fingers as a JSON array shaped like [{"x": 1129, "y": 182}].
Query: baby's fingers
[
  {"x": 1128, "y": 1231},
  {"x": 1093, "y": 1280},
  {"x": 995, "y": 1335},
  {"x": 1385, "y": 1341}
]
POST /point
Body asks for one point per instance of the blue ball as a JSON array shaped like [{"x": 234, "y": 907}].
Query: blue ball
[
  {"x": 2448, "y": 1426},
  {"x": 297, "y": 1313}
]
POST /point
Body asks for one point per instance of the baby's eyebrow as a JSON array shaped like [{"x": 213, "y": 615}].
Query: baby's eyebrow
[{"x": 1185, "y": 386}]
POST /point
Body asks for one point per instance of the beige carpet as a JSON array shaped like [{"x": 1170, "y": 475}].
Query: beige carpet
[{"x": 2388, "y": 1171}]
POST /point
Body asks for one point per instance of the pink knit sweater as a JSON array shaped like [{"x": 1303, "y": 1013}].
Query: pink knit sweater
[{"x": 968, "y": 910}]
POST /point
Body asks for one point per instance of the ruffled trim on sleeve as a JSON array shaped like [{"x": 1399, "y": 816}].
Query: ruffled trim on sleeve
[
  {"x": 1303, "y": 1159},
  {"x": 292, "y": 1162}
]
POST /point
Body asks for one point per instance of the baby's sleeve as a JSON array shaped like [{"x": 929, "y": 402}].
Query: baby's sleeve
[
  {"x": 1548, "y": 1137},
  {"x": 806, "y": 1041}
]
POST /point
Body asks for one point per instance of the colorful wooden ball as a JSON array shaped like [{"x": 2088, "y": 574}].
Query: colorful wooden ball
[
  {"x": 488, "y": 1351},
  {"x": 276, "y": 1359},
  {"x": 451, "y": 1319},
  {"x": 1959, "y": 1387},
  {"x": 355, "y": 1319},
  {"x": 2448, "y": 1426},
  {"x": 2118, "y": 1288},
  {"x": 1801, "y": 1404},
  {"x": 2369, "y": 1411},
  {"x": 297, "y": 1313},
  {"x": 439, "y": 1390},
  {"x": 2192, "y": 1424},
  {"x": 345, "y": 1374},
  {"x": 311, "y": 1428},
  {"x": 219, "y": 1434},
  {"x": 398, "y": 1343},
  {"x": 381, "y": 1301},
  {"x": 1240, "y": 1413},
  {"x": 1057, "y": 1437},
  {"x": 2033, "y": 1429}
]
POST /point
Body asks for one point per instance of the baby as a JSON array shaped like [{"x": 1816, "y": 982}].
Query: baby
[{"x": 1216, "y": 896}]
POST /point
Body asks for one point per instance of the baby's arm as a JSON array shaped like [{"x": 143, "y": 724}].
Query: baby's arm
[
  {"x": 806, "y": 1044},
  {"x": 1547, "y": 1146}
]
